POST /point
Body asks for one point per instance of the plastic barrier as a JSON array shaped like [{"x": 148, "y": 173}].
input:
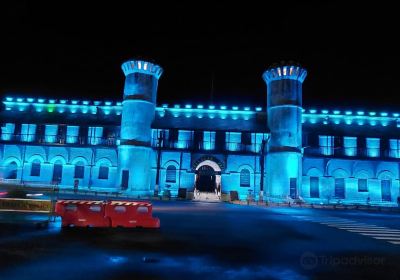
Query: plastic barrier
[
  {"x": 131, "y": 214},
  {"x": 83, "y": 213}
]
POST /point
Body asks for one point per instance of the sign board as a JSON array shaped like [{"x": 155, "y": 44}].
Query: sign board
[{"x": 25, "y": 205}]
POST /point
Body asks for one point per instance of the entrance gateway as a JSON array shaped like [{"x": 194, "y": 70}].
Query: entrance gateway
[{"x": 207, "y": 181}]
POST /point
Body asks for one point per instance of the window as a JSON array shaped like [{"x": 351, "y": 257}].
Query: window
[
  {"x": 95, "y": 135},
  {"x": 362, "y": 185},
  {"x": 50, "y": 133},
  {"x": 79, "y": 170},
  {"x": 209, "y": 140},
  {"x": 394, "y": 148},
  {"x": 233, "y": 141},
  {"x": 314, "y": 187},
  {"x": 326, "y": 145},
  {"x": 103, "y": 172},
  {"x": 350, "y": 146},
  {"x": 28, "y": 132},
  {"x": 385, "y": 188},
  {"x": 245, "y": 178},
  {"x": 339, "y": 188},
  {"x": 171, "y": 174},
  {"x": 11, "y": 171},
  {"x": 373, "y": 147},
  {"x": 35, "y": 168}
]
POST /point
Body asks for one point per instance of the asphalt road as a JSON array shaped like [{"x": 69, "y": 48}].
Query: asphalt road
[{"x": 212, "y": 241}]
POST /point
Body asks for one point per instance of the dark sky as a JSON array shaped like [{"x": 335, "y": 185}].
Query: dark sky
[{"x": 71, "y": 49}]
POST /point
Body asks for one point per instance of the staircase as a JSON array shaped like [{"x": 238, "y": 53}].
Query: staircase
[{"x": 206, "y": 196}]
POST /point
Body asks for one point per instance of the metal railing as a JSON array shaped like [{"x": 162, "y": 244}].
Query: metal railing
[{"x": 352, "y": 152}]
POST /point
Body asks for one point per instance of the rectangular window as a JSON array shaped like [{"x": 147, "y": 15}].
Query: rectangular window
[
  {"x": 362, "y": 185},
  {"x": 256, "y": 141},
  {"x": 35, "y": 169},
  {"x": 7, "y": 131},
  {"x": 95, "y": 135},
  {"x": 79, "y": 172},
  {"x": 72, "y": 134},
  {"x": 350, "y": 146},
  {"x": 326, "y": 144},
  {"x": 314, "y": 187},
  {"x": 50, "y": 133},
  {"x": 373, "y": 147},
  {"x": 28, "y": 132},
  {"x": 233, "y": 141},
  {"x": 103, "y": 172},
  {"x": 208, "y": 140},
  {"x": 385, "y": 188},
  {"x": 185, "y": 138},
  {"x": 394, "y": 148},
  {"x": 339, "y": 188}
]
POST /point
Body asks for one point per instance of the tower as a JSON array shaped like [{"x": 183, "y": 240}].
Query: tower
[
  {"x": 284, "y": 113},
  {"x": 138, "y": 110}
]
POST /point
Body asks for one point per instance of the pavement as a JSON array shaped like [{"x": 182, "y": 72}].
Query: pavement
[{"x": 200, "y": 240}]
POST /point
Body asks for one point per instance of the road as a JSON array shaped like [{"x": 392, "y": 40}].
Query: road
[{"x": 212, "y": 241}]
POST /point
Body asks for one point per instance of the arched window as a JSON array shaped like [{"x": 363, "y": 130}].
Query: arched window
[
  {"x": 35, "y": 168},
  {"x": 171, "y": 174},
  {"x": 245, "y": 178},
  {"x": 79, "y": 170},
  {"x": 12, "y": 170},
  {"x": 103, "y": 172}
]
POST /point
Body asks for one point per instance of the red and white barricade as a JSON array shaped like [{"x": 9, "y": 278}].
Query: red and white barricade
[
  {"x": 131, "y": 214},
  {"x": 83, "y": 213}
]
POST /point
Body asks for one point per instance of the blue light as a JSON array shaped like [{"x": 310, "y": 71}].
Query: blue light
[
  {"x": 63, "y": 101},
  {"x": 223, "y": 107},
  {"x": 235, "y": 108},
  {"x": 108, "y": 103},
  {"x": 85, "y": 102},
  {"x": 336, "y": 112},
  {"x": 259, "y": 109},
  {"x": 372, "y": 113},
  {"x": 119, "y": 103},
  {"x": 20, "y": 99},
  {"x": 360, "y": 113},
  {"x": 313, "y": 111},
  {"x": 74, "y": 102},
  {"x": 200, "y": 106},
  {"x": 325, "y": 111},
  {"x": 247, "y": 108},
  {"x": 165, "y": 106},
  {"x": 30, "y": 99},
  {"x": 52, "y": 101},
  {"x": 9, "y": 98},
  {"x": 212, "y": 107},
  {"x": 396, "y": 115},
  {"x": 176, "y": 106},
  {"x": 96, "y": 103},
  {"x": 188, "y": 106},
  {"x": 348, "y": 112},
  {"x": 384, "y": 114}
]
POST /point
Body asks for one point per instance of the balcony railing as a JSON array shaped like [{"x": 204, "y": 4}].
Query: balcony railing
[
  {"x": 352, "y": 152},
  {"x": 58, "y": 139}
]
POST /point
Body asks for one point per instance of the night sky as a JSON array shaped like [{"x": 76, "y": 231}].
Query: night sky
[{"x": 73, "y": 50}]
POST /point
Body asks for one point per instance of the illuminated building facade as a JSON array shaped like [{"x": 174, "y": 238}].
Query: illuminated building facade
[{"x": 132, "y": 146}]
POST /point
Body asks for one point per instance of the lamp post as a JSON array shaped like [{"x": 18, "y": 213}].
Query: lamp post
[{"x": 160, "y": 139}]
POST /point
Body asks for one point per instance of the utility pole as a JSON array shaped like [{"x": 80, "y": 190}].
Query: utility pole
[
  {"x": 160, "y": 139},
  {"x": 262, "y": 168}
]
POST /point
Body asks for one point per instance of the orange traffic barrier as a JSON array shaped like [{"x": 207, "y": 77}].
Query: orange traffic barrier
[
  {"x": 84, "y": 213},
  {"x": 131, "y": 214}
]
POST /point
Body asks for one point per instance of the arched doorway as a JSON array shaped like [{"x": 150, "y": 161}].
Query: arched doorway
[{"x": 206, "y": 179}]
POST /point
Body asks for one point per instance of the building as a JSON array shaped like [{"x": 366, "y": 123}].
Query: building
[{"x": 132, "y": 146}]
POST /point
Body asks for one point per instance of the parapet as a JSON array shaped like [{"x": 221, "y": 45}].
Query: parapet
[
  {"x": 291, "y": 72},
  {"x": 140, "y": 66}
]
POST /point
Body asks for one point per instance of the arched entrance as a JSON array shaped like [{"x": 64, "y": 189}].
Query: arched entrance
[
  {"x": 205, "y": 180},
  {"x": 208, "y": 180}
]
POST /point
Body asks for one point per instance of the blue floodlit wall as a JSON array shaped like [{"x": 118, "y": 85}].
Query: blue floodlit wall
[
  {"x": 284, "y": 155},
  {"x": 344, "y": 156}
]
